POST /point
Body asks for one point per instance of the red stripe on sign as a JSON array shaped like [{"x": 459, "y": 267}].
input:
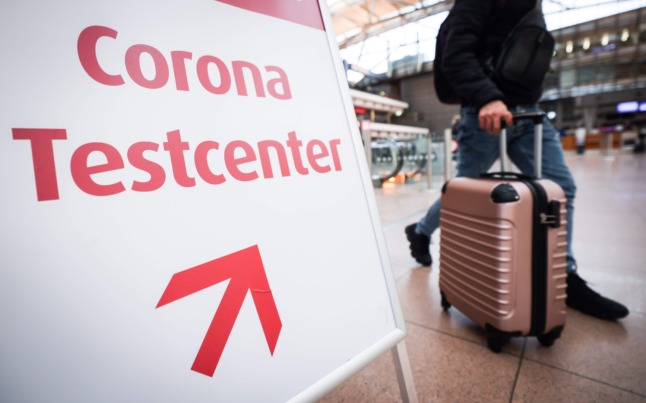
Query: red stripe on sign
[{"x": 304, "y": 12}]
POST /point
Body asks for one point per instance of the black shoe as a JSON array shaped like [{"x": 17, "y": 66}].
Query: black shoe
[
  {"x": 419, "y": 244},
  {"x": 582, "y": 298}
]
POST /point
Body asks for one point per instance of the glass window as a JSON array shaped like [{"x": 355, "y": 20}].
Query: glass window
[
  {"x": 586, "y": 75},
  {"x": 605, "y": 73},
  {"x": 567, "y": 78}
]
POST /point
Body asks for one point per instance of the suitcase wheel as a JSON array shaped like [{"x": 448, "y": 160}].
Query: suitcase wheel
[
  {"x": 497, "y": 341},
  {"x": 445, "y": 302},
  {"x": 548, "y": 338}
]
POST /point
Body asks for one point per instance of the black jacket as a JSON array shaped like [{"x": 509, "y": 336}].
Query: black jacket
[{"x": 478, "y": 29}]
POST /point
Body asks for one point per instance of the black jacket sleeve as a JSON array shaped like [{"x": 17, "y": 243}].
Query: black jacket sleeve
[{"x": 464, "y": 54}]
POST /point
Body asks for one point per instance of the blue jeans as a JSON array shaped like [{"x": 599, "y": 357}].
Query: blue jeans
[{"x": 478, "y": 150}]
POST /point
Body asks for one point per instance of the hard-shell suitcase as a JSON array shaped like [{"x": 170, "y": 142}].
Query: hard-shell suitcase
[{"x": 503, "y": 250}]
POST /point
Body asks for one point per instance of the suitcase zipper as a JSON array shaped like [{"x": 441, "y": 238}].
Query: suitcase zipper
[{"x": 539, "y": 258}]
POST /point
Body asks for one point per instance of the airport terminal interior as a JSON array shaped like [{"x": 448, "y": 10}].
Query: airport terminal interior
[{"x": 596, "y": 98}]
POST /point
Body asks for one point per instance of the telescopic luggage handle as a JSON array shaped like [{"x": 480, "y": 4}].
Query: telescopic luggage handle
[{"x": 537, "y": 118}]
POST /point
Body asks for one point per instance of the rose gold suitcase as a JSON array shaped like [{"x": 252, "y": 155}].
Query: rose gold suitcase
[{"x": 503, "y": 251}]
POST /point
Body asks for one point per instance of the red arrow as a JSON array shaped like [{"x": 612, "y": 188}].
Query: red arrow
[{"x": 245, "y": 270}]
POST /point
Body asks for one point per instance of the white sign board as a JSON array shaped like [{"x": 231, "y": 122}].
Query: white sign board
[{"x": 186, "y": 213}]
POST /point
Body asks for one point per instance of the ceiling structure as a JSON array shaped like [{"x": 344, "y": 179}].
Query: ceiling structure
[{"x": 357, "y": 20}]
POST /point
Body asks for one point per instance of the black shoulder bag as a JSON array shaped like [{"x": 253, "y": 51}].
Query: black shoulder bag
[{"x": 526, "y": 53}]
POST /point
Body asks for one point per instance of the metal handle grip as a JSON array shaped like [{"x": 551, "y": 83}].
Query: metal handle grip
[{"x": 537, "y": 118}]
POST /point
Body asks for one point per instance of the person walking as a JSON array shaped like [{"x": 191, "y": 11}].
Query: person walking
[{"x": 475, "y": 39}]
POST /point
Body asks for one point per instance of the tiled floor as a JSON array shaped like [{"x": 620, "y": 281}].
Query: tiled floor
[{"x": 593, "y": 361}]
